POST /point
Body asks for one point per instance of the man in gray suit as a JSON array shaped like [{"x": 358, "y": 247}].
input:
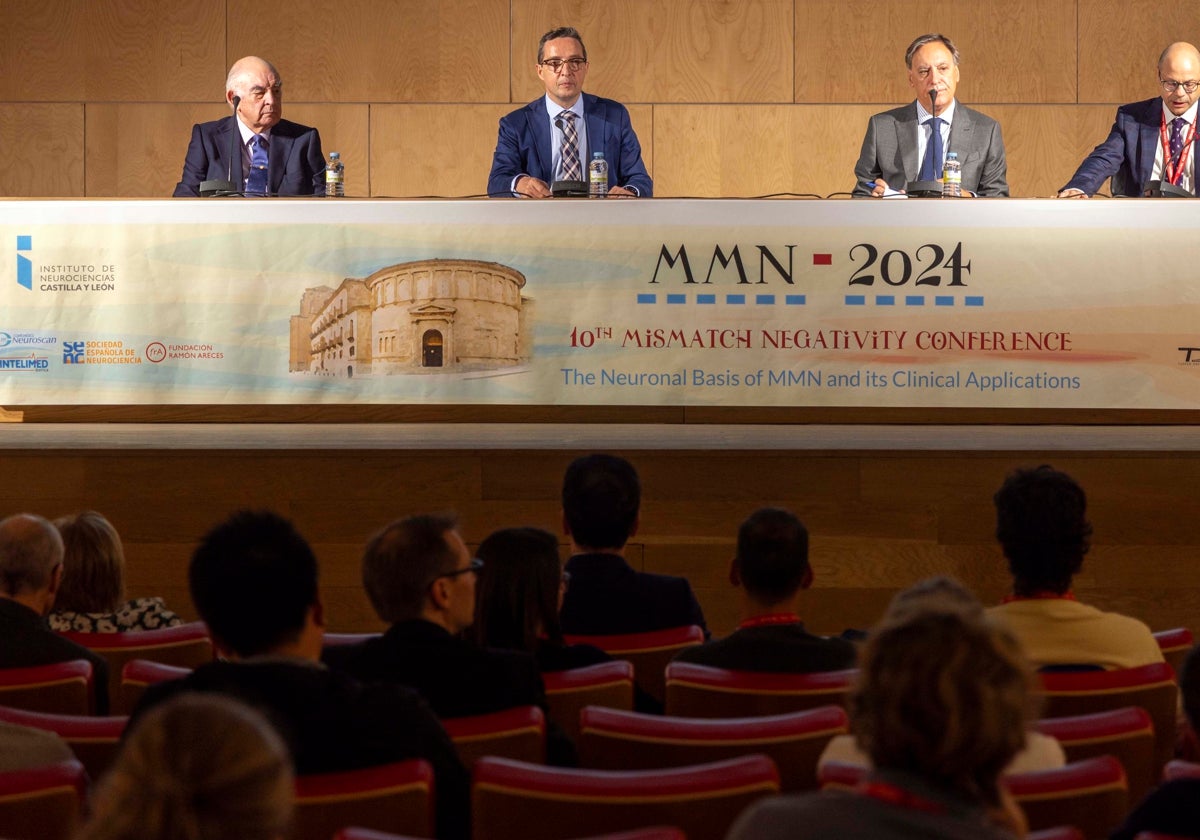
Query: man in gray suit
[{"x": 900, "y": 145}]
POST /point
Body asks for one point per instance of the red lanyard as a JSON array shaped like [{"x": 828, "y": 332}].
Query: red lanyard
[
  {"x": 765, "y": 620},
  {"x": 1041, "y": 596},
  {"x": 901, "y": 798},
  {"x": 1169, "y": 166}
]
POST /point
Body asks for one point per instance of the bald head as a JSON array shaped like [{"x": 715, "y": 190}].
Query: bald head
[
  {"x": 1178, "y": 63},
  {"x": 257, "y": 83},
  {"x": 30, "y": 551}
]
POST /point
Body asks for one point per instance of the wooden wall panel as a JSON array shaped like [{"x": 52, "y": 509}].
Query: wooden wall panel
[
  {"x": 378, "y": 50},
  {"x": 1119, "y": 45},
  {"x": 143, "y": 50},
  {"x": 752, "y": 150},
  {"x": 344, "y": 129},
  {"x": 665, "y": 50},
  {"x": 1046, "y": 143},
  {"x": 1012, "y": 50},
  {"x": 45, "y": 51},
  {"x": 43, "y": 150}
]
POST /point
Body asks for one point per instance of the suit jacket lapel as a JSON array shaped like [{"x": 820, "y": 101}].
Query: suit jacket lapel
[
  {"x": 962, "y": 133},
  {"x": 1148, "y": 143},
  {"x": 539, "y": 127},
  {"x": 224, "y": 141},
  {"x": 906, "y": 142},
  {"x": 278, "y": 154},
  {"x": 595, "y": 116}
]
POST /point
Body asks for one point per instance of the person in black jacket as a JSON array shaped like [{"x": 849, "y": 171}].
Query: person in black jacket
[{"x": 253, "y": 580}]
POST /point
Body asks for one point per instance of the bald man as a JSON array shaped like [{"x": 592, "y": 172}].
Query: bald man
[
  {"x": 290, "y": 157},
  {"x": 31, "y": 569},
  {"x": 1151, "y": 140}
]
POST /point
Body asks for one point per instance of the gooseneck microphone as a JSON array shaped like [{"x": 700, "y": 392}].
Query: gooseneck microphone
[
  {"x": 926, "y": 189},
  {"x": 217, "y": 187}
]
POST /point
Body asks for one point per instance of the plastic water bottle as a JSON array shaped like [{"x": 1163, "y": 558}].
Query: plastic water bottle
[
  {"x": 598, "y": 176},
  {"x": 335, "y": 176},
  {"x": 952, "y": 176}
]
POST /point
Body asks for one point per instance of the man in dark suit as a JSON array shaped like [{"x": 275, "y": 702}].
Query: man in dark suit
[
  {"x": 295, "y": 164},
  {"x": 601, "y": 498},
  {"x": 1150, "y": 140},
  {"x": 770, "y": 569},
  {"x": 31, "y": 570},
  {"x": 553, "y": 137},
  {"x": 900, "y": 145},
  {"x": 253, "y": 580}
]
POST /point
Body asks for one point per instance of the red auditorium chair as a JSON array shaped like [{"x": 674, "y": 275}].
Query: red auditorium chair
[
  {"x": 64, "y": 688},
  {"x": 518, "y": 733},
  {"x": 1154, "y": 835},
  {"x": 648, "y": 652},
  {"x": 610, "y": 739},
  {"x": 1090, "y": 795},
  {"x": 701, "y": 691},
  {"x": 1152, "y": 687},
  {"x": 42, "y": 803},
  {"x": 1061, "y": 832},
  {"x": 185, "y": 645},
  {"x": 136, "y": 675},
  {"x": 608, "y": 684},
  {"x": 512, "y": 800},
  {"x": 1178, "y": 769},
  {"x": 94, "y": 740},
  {"x": 340, "y": 639},
  {"x": 1174, "y": 644},
  {"x": 1126, "y": 734},
  {"x": 658, "y": 832},
  {"x": 392, "y": 797}
]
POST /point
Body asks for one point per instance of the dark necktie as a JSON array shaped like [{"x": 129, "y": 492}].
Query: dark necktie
[
  {"x": 569, "y": 167},
  {"x": 256, "y": 184},
  {"x": 931, "y": 166},
  {"x": 1177, "y": 126}
]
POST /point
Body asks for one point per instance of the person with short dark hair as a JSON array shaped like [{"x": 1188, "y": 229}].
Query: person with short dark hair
[
  {"x": 31, "y": 574},
  {"x": 601, "y": 500},
  {"x": 1042, "y": 525},
  {"x": 770, "y": 569},
  {"x": 253, "y": 579}
]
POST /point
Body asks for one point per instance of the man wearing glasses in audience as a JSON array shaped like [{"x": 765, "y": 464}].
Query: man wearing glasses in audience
[
  {"x": 553, "y": 137},
  {"x": 1150, "y": 140}
]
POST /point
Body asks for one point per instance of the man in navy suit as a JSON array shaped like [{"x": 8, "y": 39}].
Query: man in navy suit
[
  {"x": 1150, "y": 140},
  {"x": 529, "y": 151},
  {"x": 295, "y": 163}
]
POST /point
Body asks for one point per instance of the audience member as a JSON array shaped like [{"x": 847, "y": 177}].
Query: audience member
[
  {"x": 601, "y": 497},
  {"x": 1173, "y": 810},
  {"x": 520, "y": 593},
  {"x": 22, "y": 747},
  {"x": 1041, "y": 752},
  {"x": 770, "y": 569},
  {"x": 253, "y": 579},
  {"x": 31, "y": 573},
  {"x": 1041, "y": 523},
  {"x": 941, "y": 707},
  {"x": 92, "y": 596},
  {"x": 196, "y": 768}
]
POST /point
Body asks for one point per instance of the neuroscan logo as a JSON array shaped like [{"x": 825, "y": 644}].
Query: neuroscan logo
[{"x": 24, "y": 264}]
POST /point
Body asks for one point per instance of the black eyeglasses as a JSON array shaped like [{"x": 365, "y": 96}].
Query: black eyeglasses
[
  {"x": 474, "y": 566},
  {"x": 572, "y": 64},
  {"x": 1169, "y": 86}
]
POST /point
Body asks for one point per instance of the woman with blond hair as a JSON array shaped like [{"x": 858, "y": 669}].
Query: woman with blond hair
[
  {"x": 940, "y": 707},
  {"x": 199, "y": 767},
  {"x": 92, "y": 596}
]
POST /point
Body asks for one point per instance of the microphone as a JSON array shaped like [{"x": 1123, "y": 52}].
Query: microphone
[
  {"x": 217, "y": 187},
  {"x": 926, "y": 189},
  {"x": 933, "y": 92}
]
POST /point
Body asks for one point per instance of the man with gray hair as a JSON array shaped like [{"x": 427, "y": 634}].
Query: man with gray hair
[
  {"x": 31, "y": 569},
  {"x": 276, "y": 157},
  {"x": 911, "y": 143}
]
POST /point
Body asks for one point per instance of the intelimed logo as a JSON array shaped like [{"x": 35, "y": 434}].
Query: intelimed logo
[{"x": 24, "y": 264}]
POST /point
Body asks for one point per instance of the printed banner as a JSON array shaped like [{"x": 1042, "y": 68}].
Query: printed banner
[{"x": 989, "y": 303}]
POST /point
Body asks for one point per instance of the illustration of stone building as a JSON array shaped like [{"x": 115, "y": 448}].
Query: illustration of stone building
[{"x": 429, "y": 316}]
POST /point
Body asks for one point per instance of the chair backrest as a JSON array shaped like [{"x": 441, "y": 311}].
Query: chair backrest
[
  {"x": 342, "y": 639},
  {"x": 392, "y": 797},
  {"x": 42, "y": 803},
  {"x": 1155, "y": 835},
  {"x": 1059, "y": 832},
  {"x": 649, "y": 652},
  {"x": 1090, "y": 795},
  {"x": 1126, "y": 734},
  {"x": 1152, "y": 687},
  {"x": 1174, "y": 644},
  {"x": 94, "y": 740},
  {"x": 840, "y": 775},
  {"x": 656, "y": 832},
  {"x": 611, "y": 739},
  {"x": 608, "y": 684},
  {"x": 1179, "y": 769},
  {"x": 518, "y": 733},
  {"x": 136, "y": 676},
  {"x": 185, "y": 645},
  {"x": 513, "y": 800},
  {"x": 62, "y": 688},
  {"x": 702, "y": 691}
]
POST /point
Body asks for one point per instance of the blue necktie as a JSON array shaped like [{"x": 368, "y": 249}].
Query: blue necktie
[
  {"x": 1177, "y": 125},
  {"x": 256, "y": 184},
  {"x": 932, "y": 165}
]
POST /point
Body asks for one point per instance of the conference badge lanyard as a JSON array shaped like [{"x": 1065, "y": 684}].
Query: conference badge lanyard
[{"x": 1173, "y": 171}]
